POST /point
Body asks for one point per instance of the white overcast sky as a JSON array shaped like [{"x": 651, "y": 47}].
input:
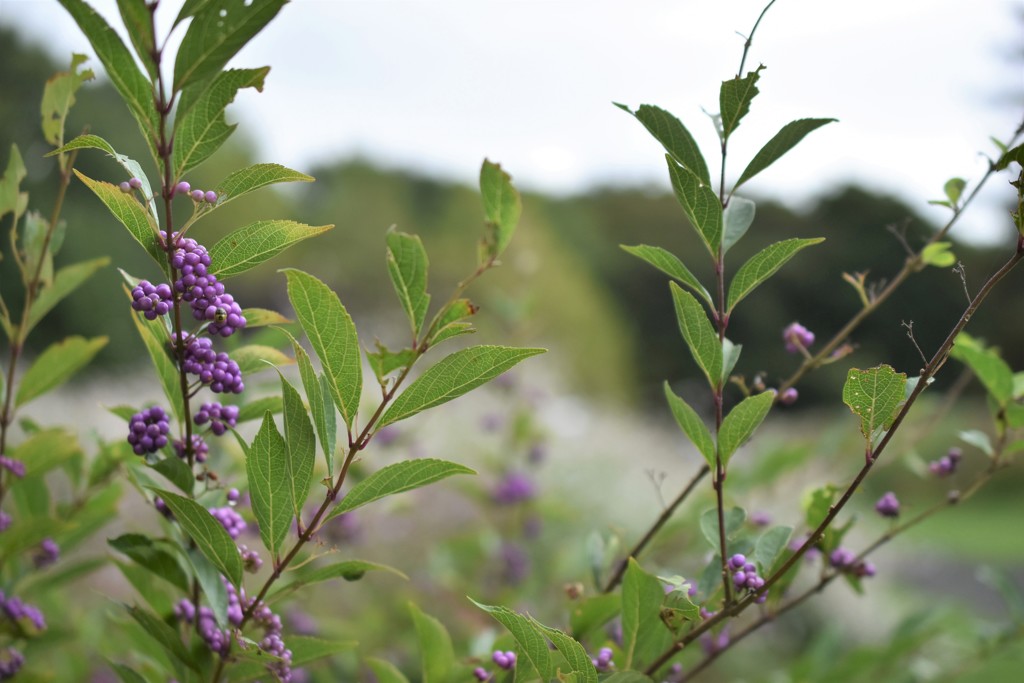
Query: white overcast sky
[{"x": 436, "y": 85}]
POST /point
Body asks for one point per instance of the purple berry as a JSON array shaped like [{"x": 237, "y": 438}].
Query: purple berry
[
  {"x": 134, "y": 183},
  {"x": 513, "y": 488},
  {"x": 888, "y": 505},
  {"x": 789, "y": 396},
  {"x": 842, "y": 558},
  {"x": 13, "y": 465},
  {"x": 797, "y": 337},
  {"x": 152, "y": 300},
  {"x": 737, "y": 561},
  {"x": 210, "y": 197},
  {"x": 147, "y": 430},
  {"x": 197, "y": 195},
  {"x": 182, "y": 188},
  {"x": 230, "y": 520},
  {"x": 251, "y": 559},
  {"x": 5, "y": 521},
  {"x": 481, "y": 674},
  {"x": 125, "y": 187},
  {"x": 48, "y": 553},
  {"x": 199, "y": 448},
  {"x": 233, "y": 495},
  {"x": 947, "y": 464},
  {"x": 739, "y": 579},
  {"x": 11, "y": 661}
]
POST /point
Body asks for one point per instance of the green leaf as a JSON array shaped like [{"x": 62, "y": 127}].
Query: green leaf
[
  {"x": 741, "y": 422},
  {"x": 763, "y": 265},
  {"x": 45, "y": 450},
  {"x": 200, "y": 128},
  {"x": 700, "y": 204},
  {"x": 301, "y": 443},
  {"x": 398, "y": 477},
  {"x": 734, "y": 99},
  {"x": 737, "y": 217},
  {"x": 643, "y": 635},
  {"x": 436, "y": 651},
  {"x": 214, "y": 592},
  {"x": 211, "y": 538},
  {"x": 938, "y": 254},
  {"x": 446, "y": 323},
  {"x": 673, "y": 136},
  {"x": 454, "y": 376},
  {"x": 67, "y": 280},
  {"x": 130, "y": 213},
  {"x": 305, "y": 650},
  {"x": 320, "y": 405},
  {"x": 163, "y": 634},
  {"x": 1010, "y": 155},
  {"x": 734, "y": 518},
  {"x": 138, "y": 19},
  {"x": 991, "y": 370},
  {"x": 730, "y": 356},
  {"x": 59, "y": 97},
  {"x": 385, "y": 671},
  {"x": 33, "y": 243},
  {"x": 266, "y": 467},
  {"x": 407, "y": 265},
  {"x": 978, "y": 439},
  {"x": 253, "y": 358},
  {"x": 251, "y": 178},
  {"x": 12, "y": 200},
  {"x": 56, "y": 365},
  {"x": 874, "y": 396},
  {"x": 628, "y": 677},
  {"x": 769, "y": 545},
  {"x": 593, "y": 613},
  {"x": 669, "y": 263},
  {"x": 700, "y": 337},
  {"x": 333, "y": 335},
  {"x": 126, "y": 674},
  {"x": 502, "y": 207},
  {"x": 155, "y": 340},
  {"x": 250, "y": 246},
  {"x": 133, "y": 167},
  {"x": 692, "y": 425},
  {"x": 384, "y": 361},
  {"x": 134, "y": 87},
  {"x": 533, "y": 646},
  {"x": 576, "y": 657},
  {"x": 954, "y": 188},
  {"x": 349, "y": 570},
  {"x": 254, "y": 410},
  {"x": 219, "y": 30},
  {"x": 786, "y": 139},
  {"x": 144, "y": 552},
  {"x": 677, "y": 609},
  {"x": 263, "y": 317}
]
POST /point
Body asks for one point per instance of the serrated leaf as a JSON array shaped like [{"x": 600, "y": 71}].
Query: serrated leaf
[
  {"x": 450, "y": 331},
  {"x": 786, "y": 139},
  {"x": 407, "y": 265},
  {"x": 533, "y": 646},
  {"x": 59, "y": 97},
  {"x": 248, "y": 247},
  {"x": 130, "y": 213},
  {"x": 580, "y": 666},
  {"x": 144, "y": 552},
  {"x": 138, "y": 20},
  {"x": 692, "y": 426},
  {"x": 436, "y": 653},
  {"x": 737, "y": 219},
  {"x": 454, "y": 376},
  {"x": 938, "y": 254},
  {"x": 502, "y": 207},
  {"x": 397, "y": 478},
  {"x": 349, "y": 570},
  {"x": 734, "y": 99},
  {"x": 763, "y": 265},
  {"x": 200, "y": 128},
  {"x": 1015, "y": 154},
  {"x": 740, "y": 423},
  {"x": 734, "y": 518},
  {"x": 211, "y": 538},
  {"x": 214, "y": 592},
  {"x": 386, "y": 672},
  {"x": 56, "y": 365},
  {"x": 163, "y": 634},
  {"x": 219, "y": 30},
  {"x": 134, "y": 168},
  {"x": 252, "y": 178},
  {"x": 874, "y": 396},
  {"x": 991, "y": 370},
  {"x": 669, "y": 263},
  {"x": 301, "y": 443},
  {"x": 134, "y": 88},
  {"x": 333, "y": 336},
  {"x": 66, "y": 281},
  {"x": 700, "y": 204},
  {"x": 253, "y": 358},
  {"x": 673, "y": 136},
  {"x": 261, "y": 317},
  {"x": 267, "y": 471},
  {"x": 593, "y": 613},
  {"x": 176, "y": 471},
  {"x": 700, "y": 337},
  {"x": 320, "y": 405},
  {"x": 769, "y": 545},
  {"x": 12, "y": 200},
  {"x": 643, "y": 635}
]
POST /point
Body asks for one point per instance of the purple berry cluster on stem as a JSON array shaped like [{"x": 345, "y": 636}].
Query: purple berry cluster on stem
[
  {"x": 514, "y": 487},
  {"x": 744, "y": 576},
  {"x": 505, "y": 660},
  {"x": 230, "y": 520},
  {"x": 147, "y": 430},
  {"x": 152, "y": 300},
  {"x": 11, "y": 661},
  {"x": 845, "y": 560},
  {"x": 797, "y": 338},
  {"x": 888, "y": 505},
  {"x": 212, "y": 368},
  {"x": 46, "y": 554},
  {"x": 603, "y": 661},
  {"x": 947, "y": 464},
  {"x": 199, "y": 448},
  {"x": 13, "y": 465},
  {"x": 17, "y": 611}
]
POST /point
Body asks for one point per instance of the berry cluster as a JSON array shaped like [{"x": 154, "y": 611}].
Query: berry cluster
[
  {"x": 514, "y": 487},
  {"x": 845, "y": 560},
  {"x": 199, "y": 448},
  {"x": 11, "y": 662},
  {"x": 210, "y": 197},
  {"x": 603, "y": 661},
  {"x": 152, "y": 300},
  {"x": 129, "y": 185},
  {"x": 947, "y": 464},
  {"x": 221, "y": 418},
  {"x": 745, "y": 576},
  {"x": 888, "y": 505},
  {"x": 797, "y": 337},
  {"x": 12, "y": 465},
  {"x": 505, "y": 660},
  {"x": 215, "y": 369},
  {"x": 251, "y": 559},
  {"x": 48, "y": 553},
  {"x": 147, "y": 430},
  {"x": 789, "y": 396},
  {"x": 201, "y": 290},
  {"x": 17, "y": 611},
  {"x": 230, "y": 520}
]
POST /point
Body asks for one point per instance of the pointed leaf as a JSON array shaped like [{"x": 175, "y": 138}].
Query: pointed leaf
[
  {"x": 643, "y": 635},
  {"x": 454, "y": 376},
  {"x": 874, "y": 396},
  {"x": 254, "y": 410},
  {"x": 67, "y": 280},
  {"x": 261, "y": 317},
  {"x": 333, "y": 336},
  {"x": 436, "y": 651},
  {"x": 349, "y": 570},
  {"x": 200, "y": 128},
  {"x": 59, "y": 97},
  {"x": 176, "y": 471},
  {"x": 769, "y": 545},
  {"x": 130, "y": 213},
  {"x": 218, "y": 31},
  {"x": 385, "y": 361},
  {"x": 165, "y": 635},
  {"x": 320, "y": 405},
  {"x": 248, "y": 247},
  {"x": 674, "y": 137},
  {"x": 938, "y": 254},
  {"x": 134, "y": 87},
  {"x": 992, "y": 371},
  {"x": 763, "y": 265},
  {"x": 145, "y": 553},
  {"x": 533, "y": 646},
  {"x": 214, "y": 592},
  {"x": 741, "y": 422},
  {"x": 700, "y": 204},
  {"x": 700, "y": 337},
  {"x": 669, "y": 263},
  {"x": 267, "y": 471},
  {"x": 301, "y": 443},
  {"x": 692, "y": 425},
  {"x": 252, "y": 178},
  {"x": 397, "y": 478},
  {"x": 407, "y": 265},
  {"x": 737, "y": 217},
  {"x": 502, "y": 207},
  {"x": 57, "y": 364},
  {"x": 1010, "y": 155},
  {"x": 385, "y": 671},
  {"x": 786, "y": 139},
  {"x": 628, "y": 677},
  {"x": 577, "y": 658},
  {"x": 211, "y": 538},
  {"x": 253, "y": 358},
  {"x": 730, "y": 356},
  {"x": 734, "y": 99},
  {"x": 138, "y": 19},
  {"x": 734, "y": 518},
  {"x": 133, "y": 167},
  {"x": 593, "y": 613}
]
